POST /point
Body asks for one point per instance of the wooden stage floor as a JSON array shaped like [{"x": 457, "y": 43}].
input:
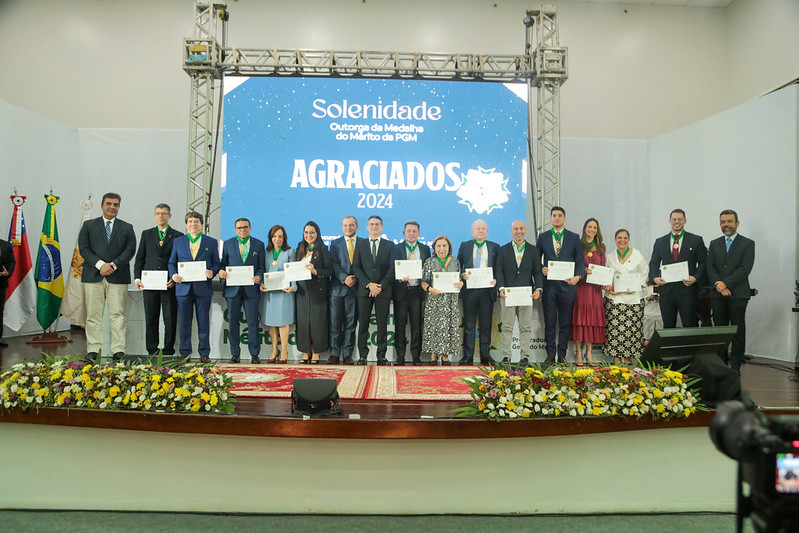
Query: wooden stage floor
[{"x": 769, "y": 382}]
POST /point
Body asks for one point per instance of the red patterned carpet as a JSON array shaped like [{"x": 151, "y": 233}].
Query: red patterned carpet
[
  {"x": 419, "y": 383},
  {"x": 276, "y": 381},
  {"x": 354, "y": 382}
]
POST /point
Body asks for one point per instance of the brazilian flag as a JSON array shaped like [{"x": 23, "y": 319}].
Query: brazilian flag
[{"x": 49, "y": 282}]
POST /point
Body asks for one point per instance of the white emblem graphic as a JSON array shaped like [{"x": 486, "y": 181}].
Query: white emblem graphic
[{"x": 483, "y": 190}]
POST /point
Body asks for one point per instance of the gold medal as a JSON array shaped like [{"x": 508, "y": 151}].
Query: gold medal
[
  {"x": 274, "y": 263},
  {"x": 676, "y": 246},
  {"x": 590, "y": 254},
  {"x": 412, "y": 256},
  {"x": 480, "y": 251},
  {"x": 160, "y": 243},
  {"x": 518, "y": 257}
]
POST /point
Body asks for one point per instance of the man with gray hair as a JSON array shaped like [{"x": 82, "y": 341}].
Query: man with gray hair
[{"x": 155, "y": 247}]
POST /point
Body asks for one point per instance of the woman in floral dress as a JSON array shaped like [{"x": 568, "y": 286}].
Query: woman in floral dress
[{"x": 442, "y": 321}]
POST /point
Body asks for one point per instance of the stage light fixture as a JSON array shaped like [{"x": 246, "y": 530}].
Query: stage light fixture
[{"x": 315, "y": 395}]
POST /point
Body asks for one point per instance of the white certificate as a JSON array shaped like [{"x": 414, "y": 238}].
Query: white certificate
[
  {"x": 560, "y": 270},
  {"x": 445, "y": 281},
  {"x": 154, "y": 280},
  {"x": 599, "y": 275},
  {"x": 240, "y": 276},
  {"x": 192, "y": 271},
  {"x": 518, "y": 296},
  {"x": 479, "y": 278},
  {"x": 674, "y": 272},
  {"x": 275, "y": 281},
  {"x": 296, "y": 271},
  {"x": 410, "y": 268},
  {"x": 623, "y": 282}
]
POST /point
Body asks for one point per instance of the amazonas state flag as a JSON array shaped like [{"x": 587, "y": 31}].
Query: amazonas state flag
[{"x": 49, "y": 282}]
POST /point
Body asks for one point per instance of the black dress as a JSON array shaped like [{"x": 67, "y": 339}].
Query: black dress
[{"x": 313, "y": 318}]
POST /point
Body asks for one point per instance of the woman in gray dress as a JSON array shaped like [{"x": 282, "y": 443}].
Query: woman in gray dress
[
  {"x": 277, "y": 307},
  {"x": 313, "y": 322},
  {"x": 442, "y": 321}
]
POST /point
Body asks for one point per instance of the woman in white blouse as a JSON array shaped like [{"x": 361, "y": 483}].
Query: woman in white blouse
[{"x": 624, "y": 305}]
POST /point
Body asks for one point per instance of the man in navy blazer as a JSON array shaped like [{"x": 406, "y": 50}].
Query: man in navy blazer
[
  {"x": 343, "y": 294},
  {"x": 559, "y": 244},
  {"x": 374, "y": 269},
  {"x": 409, "y": 296},
  {"x": 107, "y": 245},
  {"x": 194, "y": 246},
  {"x": 518, "y": 265},
  {"x": 675, "y": 247},
  {"x": 478, "y": 304},
  {"x": 729, "y": 262},
  {"x": 155, "y": 249},
  {"x": 244, "y": 250}
]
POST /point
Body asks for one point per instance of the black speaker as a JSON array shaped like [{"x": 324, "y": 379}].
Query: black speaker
[{"x": 315, "y": 395}]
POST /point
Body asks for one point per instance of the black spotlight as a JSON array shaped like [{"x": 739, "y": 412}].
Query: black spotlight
[{"x": 315, "y": 395}]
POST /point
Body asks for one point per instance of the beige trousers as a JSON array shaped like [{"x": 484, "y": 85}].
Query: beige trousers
[{"x": 97, "y": 296}]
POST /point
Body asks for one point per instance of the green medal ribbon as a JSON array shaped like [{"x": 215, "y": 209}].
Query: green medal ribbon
[
  {"x": 621, "y": 255},
  {"x": 558, "y": 236},
  {"x": 521, "y": 250},
  {"x": 275, "y": 253},
  {"x": 242, "y": 241},
  {"x": 678, "y": 237},
  {"x": 162, "y": 234},
  {"x": 588, "y": 247},
  {"x": 443, "y": 264},
  {"x": 478, "y": 244},
  {"x": 194, "y": 239},
  {"x": 412, "y": 250}
]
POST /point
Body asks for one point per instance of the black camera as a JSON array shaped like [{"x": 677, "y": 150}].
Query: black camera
[{"x": 767, "y": 451}]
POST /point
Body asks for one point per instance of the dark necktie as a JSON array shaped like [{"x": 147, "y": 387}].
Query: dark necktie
[{"x": 374, "y": 248}]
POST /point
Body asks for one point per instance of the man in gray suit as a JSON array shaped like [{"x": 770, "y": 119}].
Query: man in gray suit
[
  {"x": 729, "y": 262},
  {"x": 107, "y": 245}
]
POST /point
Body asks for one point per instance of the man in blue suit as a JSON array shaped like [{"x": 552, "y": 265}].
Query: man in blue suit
[
  {"x": 729, "y": 262},
  {"x": 194, "y": 295},
  {"x": 478, "y": 304},
  {"x": 559, "y": 244},
  {"x": 243, "y": 250},
  {"x": 343, "y": 294},
  {"x": 675, "y": 247}
]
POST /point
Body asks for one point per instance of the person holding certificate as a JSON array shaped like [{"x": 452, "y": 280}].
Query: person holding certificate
[
  {"x": 478, "y": 304},
  {"x": 155, "y": 247},
  {"x": 191, "y": 252},
  {"x": 564, "y": 265},
  {"x": 374, "y": 269},
  {"x": 680, "y": 249},
  {"x": 409, "y": 296},
  {"x": 518, "y": 265},
  {"x": 277, "y": 306},
  {"x": 624, "y": 304},
  {"x": 588, "y": 316},
  {"x": 313, "y": 319},
  {"x": 442, "y": 321},
  {"x": 240, "y": 252}
]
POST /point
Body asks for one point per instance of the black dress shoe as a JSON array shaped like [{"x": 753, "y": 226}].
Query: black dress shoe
[
  {"x": 487, "y": 362},
  {"x": 235, "y": 359},
  {"x": 506, "y": 360},
  {"x": 170, "y": 351},
  {"x": 383, "y": 362},
  {"x": 399, "y": 362},
  {"x": 333, "y": 360},
  {"x": 446, "y": 362},
  {"x": 255, "y": 360},
  {"x": 361, "y": 361},
  {"x": 524, "y": 361},
  {"x": 417, "y": 362},
  {"x": 348, "y": 360},
  {"x": 118, "y": 356},
  {"x": 465, "y": 361},
  {"x": 3, "y": 343},
  {"x": 90, "y": 358}
]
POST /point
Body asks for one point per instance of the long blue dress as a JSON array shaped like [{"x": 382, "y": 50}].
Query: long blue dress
[{"x": 277, "y": 307}]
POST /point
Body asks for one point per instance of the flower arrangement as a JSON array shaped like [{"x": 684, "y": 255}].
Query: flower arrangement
[
  {"x": 584, "y": 391},
  {"x": 62, "y": 383}
]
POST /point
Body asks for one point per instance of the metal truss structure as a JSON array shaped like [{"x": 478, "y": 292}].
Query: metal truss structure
[{"x": 206, "y": 59}]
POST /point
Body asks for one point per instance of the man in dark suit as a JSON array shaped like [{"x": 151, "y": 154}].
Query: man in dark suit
[
  {"x": 729, "y": 262},
  {"x": 194, "y": 246},
  {"x": 243, "y": 250},
  {"x": 676, "y": 247},
  {"x": 409, "y": 296},
  {"x": 343, "y": 294},
  {"x": 107, "y": 245},
  {"x": 478, "y": 304},
  {"x": 155, "y": 247},
  {"x": 518, "y": 265},
  {"x": 374, "y": 269},
  {"x": 7, "y": 265},
  {"x": 559, "y": 244}
]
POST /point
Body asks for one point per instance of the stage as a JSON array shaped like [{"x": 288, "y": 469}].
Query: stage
[{"x": 380, "y": 457}]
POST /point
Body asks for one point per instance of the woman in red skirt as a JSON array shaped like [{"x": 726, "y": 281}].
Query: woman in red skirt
[{"x": 588, "y": 317}]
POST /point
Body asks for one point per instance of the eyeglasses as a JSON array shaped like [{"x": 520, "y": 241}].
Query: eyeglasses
[{"x": 242, "y": 227}]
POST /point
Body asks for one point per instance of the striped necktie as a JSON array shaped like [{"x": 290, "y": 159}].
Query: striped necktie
[{"x": 107, "y": 231}]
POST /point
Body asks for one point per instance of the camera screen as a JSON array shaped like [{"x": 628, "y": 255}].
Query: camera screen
[{"x": 787, "y": 473}]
